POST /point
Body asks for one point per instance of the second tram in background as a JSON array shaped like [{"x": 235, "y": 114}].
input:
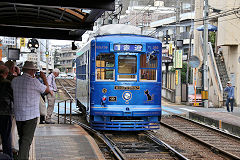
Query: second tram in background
[{"x": 119, "y": 80}]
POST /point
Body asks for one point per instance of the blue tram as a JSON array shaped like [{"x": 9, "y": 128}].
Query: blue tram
[{"x": 119, "y": 82}]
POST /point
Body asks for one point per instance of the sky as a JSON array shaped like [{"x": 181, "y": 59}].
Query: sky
[
  {"x": 60, "y": 42},
  {"x": 65, "y": 42}
]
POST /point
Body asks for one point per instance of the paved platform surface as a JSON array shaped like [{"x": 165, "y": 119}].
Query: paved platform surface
[
  {"x": 63, "y": 142},
  {"x": 218, "y": 117}
]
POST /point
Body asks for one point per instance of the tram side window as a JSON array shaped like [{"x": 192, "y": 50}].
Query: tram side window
[
  {"x": 105, "y": 63},
  {"x": 127, "y": 67},
  {"x": 148, "y": 68},
  {"x": 81, "y": 68}
]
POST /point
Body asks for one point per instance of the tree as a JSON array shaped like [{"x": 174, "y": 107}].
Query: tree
[{"x": 183, "y": 72}]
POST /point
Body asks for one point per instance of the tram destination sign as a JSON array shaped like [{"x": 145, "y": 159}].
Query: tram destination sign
[
  {"x": 127, "y": 87},
  {"x": 128, "y": 47}
]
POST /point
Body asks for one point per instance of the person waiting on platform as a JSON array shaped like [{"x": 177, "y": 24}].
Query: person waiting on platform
[
  {"x": 51, "y": 98},
  {"x": 6, "y": 99},
  {"x": 14, "y": 71},
  {"x": 230, "y": 96},
  {"x": 2, "y": 63},
  {"x": 26, "y": 94}
]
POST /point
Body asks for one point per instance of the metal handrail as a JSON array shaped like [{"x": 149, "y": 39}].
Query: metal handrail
[
  {"x": 65, "y": 110},
  {"x": 214, "y": 64},
  {"x": 215, "y": 67}
]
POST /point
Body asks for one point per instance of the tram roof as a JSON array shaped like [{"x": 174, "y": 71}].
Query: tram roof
[
  {"x": 50, "y": 19},
  {"x": 127, "y": 38}
]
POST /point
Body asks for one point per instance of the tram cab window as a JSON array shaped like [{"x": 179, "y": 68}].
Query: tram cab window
[
  {"x": 127, "y": 67},
  {"x": 104, "y": 66},
  {"x": 148, "y": 68}
]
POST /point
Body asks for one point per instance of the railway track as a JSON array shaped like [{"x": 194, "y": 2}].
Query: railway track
[
  {"x": 149, "y": 145},
  {"x": 218, "y": 141},
  {"x": 131, "y": 145},
  {"x": 66, "y": 88}
]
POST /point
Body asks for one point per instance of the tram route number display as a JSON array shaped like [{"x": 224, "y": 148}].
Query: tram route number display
[
  {"x": 127, "y": 87},
  {"x": 128, "y": 47}
]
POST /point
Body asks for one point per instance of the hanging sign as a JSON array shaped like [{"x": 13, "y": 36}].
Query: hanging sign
[
  {"x": 170, "y": 49},
  {"x": 178, "y": 59},
  {"x": 22, "y": 42},
  {"x": 176, "y": 78}
]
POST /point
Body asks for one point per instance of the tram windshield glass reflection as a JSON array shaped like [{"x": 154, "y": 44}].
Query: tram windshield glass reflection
[
  {"x": 127, "y": 67},
  {"x": 147, "y": 71}
]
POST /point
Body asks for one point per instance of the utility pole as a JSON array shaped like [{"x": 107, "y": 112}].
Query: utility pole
[
  {"x": 47, "y": 55},
  {"x": 205, "y": 55},
  {"x": 178, "y": 71}
]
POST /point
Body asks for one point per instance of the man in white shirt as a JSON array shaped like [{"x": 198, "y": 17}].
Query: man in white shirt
[
  {"x": 26, "y": 96},
  {"x": 51, "y": 97}
]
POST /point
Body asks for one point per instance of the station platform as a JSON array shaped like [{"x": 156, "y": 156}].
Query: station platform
[
  {"x": 227, "y": 121},
  {"x": 63, "y": 141},
  {"x": 217, "y": 117}
]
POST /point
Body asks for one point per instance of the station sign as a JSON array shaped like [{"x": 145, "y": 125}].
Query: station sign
[{"x": 9, "y": 40}]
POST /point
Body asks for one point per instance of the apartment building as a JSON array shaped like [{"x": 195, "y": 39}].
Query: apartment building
[{"x": 66, "y": 59}]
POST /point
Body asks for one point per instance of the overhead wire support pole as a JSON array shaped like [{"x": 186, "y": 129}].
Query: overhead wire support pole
[
  {"x": 205, "y": 55},
  {"x": 178, "y": 71}
]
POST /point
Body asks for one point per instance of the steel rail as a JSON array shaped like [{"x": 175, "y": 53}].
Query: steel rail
[
  {"x": 221, "y": 151},
  {"x": 116, "y": 152},
  {"x": 162, "y": 143},
  {"x": 210, "y": 127},
  {"x": 66, "y": 90}
]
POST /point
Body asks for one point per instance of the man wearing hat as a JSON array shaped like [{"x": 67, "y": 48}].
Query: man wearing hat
[
  {"x": 230, "y": 96},
  {"x": 26, "y": 95}
]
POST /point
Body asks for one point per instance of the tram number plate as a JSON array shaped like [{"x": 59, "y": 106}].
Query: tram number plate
[
  {"x": 112, "y": 99},
  {"x": 127, "y": 87}
]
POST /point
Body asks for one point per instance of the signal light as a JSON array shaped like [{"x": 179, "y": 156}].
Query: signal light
[
  {"x": 167, "y": 38},
  {"x": 104, "y": 98},
  {"x": 33, "y": 43}
]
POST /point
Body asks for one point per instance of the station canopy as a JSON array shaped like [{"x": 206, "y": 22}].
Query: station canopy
[{"x": 50, "y": 19}]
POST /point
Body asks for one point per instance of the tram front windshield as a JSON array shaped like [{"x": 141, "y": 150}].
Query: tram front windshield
[{"x": 127, "y": 67}]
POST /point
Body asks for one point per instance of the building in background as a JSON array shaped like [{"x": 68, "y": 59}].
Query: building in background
[
  {"x": 64, "y": 58},
  {"x": 166, "y": 32},
  {"x": 226, "y": 40}
]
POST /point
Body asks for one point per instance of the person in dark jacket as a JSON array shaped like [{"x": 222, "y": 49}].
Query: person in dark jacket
[
  {"x": 230, "y": 97},
  {"x": 13, "y": 72},
  {"x": 6, "y": 111}
]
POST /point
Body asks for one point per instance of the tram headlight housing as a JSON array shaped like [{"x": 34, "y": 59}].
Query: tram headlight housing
[{"x": 127, "y": 95}]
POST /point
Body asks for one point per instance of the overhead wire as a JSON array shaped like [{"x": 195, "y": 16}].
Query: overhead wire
[
  {"x": 139, "y": 11},
  {"x": 223, "y": 14}
]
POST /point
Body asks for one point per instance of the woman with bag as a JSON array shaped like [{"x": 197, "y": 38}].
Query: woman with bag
[{"x": 42, "y": 105}]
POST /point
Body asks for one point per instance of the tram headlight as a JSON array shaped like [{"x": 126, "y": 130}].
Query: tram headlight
[{"x": 127, "y": 95}]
